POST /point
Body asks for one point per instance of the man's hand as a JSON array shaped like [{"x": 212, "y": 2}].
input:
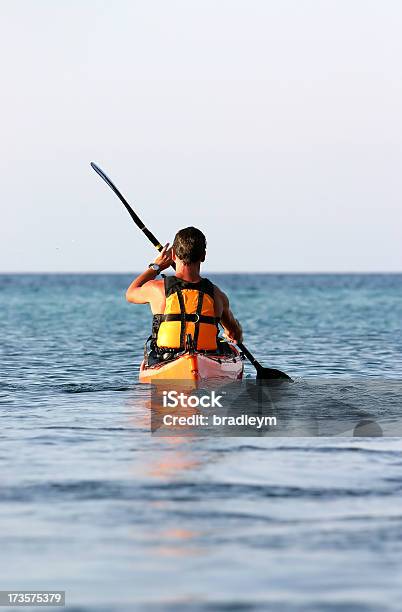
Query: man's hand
[
  {"x": 235, "y": 333},
  {"x": 164, "y": 260}
]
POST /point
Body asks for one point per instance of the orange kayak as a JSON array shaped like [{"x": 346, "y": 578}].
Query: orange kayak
[{"x": 196, "y": 367}]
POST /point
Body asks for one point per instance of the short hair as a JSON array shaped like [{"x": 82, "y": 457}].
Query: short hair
[{"x": 189, "y": 245}]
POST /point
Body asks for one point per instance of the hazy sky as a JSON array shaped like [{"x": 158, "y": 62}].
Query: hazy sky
[{"x": 274, "y": 126}]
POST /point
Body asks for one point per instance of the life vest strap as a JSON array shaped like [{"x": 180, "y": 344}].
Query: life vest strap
[
  {"x": 182, "y": 317},
  {"x": 198, "y": 315},
  {"x": 190, "y": 318}
]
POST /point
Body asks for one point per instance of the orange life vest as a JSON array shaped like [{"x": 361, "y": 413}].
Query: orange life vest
[{"x": 189, "y": 309}]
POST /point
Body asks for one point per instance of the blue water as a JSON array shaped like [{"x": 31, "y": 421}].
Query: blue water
[{"x": 91, "y": 504}]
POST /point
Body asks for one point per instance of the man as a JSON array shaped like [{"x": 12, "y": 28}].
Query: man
[{"x": 186, "y": 307}]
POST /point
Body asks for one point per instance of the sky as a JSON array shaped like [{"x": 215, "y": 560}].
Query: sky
[{"x": 273, "y": 126}]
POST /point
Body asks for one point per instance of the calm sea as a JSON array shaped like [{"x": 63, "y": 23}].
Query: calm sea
[{"x": 91, "y": 504}]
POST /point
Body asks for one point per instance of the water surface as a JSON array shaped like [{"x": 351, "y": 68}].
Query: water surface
[{"x": 92, "y": 504}]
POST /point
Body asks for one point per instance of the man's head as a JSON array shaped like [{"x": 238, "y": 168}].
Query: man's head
[{"x": 189, "y": 245}]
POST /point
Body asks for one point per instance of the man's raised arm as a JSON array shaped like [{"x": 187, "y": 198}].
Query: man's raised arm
[{"x": 140, "y": 290}]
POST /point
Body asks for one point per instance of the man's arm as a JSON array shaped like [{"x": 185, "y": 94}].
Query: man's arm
[
  {"x": 231, "y": 326},
  {"x": 140, "y": 290}
]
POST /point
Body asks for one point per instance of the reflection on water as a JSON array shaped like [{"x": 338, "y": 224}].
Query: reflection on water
[{"x": 172, "y": 462}]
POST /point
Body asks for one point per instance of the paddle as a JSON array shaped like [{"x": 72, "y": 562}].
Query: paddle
[
  {"x": 132, "y": 214},
  {"x": 262, "y": 373}
]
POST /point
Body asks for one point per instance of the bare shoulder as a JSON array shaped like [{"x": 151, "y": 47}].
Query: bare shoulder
[
  {"x": 155, "y": 285},
  {"x": 152, "y": 290},
  {"x": 156, "y": 295}
]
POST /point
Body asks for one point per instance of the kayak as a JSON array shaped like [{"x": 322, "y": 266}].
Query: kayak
[{"x": 196, "y": 367}]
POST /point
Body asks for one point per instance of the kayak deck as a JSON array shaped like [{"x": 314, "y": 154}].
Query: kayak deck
[{"x": 196, "y": 367}]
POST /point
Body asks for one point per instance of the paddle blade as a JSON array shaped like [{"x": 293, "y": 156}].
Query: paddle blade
[
  {"x": 272, "y": 374},
  {"x": 263, "y": 373},
  {"x": 107, "y": 180}
]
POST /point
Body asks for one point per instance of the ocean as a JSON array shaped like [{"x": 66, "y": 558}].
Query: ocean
[{"x": 92, "y": 504}]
